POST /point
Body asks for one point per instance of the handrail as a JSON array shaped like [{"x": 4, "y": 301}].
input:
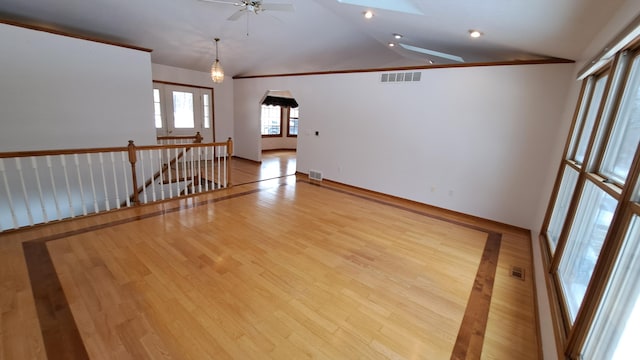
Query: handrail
[
  {"x": 197, "y": 138},
  {"x": 47, "y": 185},
  {"x": 15, "y": 154}
]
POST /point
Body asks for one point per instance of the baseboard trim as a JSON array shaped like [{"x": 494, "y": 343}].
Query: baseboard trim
[{"x": 467, "y": 217}]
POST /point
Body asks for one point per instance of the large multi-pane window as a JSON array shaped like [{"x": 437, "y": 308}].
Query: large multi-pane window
[
  {"x": 271, "y": 119},
  {"x": 274, "y": 117},
  {"x": 591, "y": 233}
]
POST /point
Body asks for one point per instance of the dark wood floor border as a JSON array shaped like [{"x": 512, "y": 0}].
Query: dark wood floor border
[
  {"x": 474, "y": 323},
  {"x": 60, "y": 334},
  {"x": 63, "y": 341}
]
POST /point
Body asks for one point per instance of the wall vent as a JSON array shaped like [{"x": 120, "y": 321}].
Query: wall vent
[
  {"x": 400, "y": 77},
  {"x": 315, "y": 175},
  {"x": 517, "y": 272}
]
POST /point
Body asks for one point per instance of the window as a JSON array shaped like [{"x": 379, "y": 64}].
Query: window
[
  {"x": 589, "y": 228},
  {"x": 183, "y": 117},
  {"x": 585, "y": 131},
  {"x": 618, "y": 317},
  {"x": 271, "y": 119},
  {"x": 156, "y": 108},
  {"x": 292, "y": 127},
  {"x": 626, "y": 131},
  {"x": 591, "y": 233},
  {"x": 206, "y": 111},
  {"x": 567, "y": 187}
]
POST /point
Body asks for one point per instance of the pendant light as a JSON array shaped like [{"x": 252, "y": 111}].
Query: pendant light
[{"x": 217, "y": 74}]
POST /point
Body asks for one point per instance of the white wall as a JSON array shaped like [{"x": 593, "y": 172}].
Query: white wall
[
  {"x": 475, "y": 140},
  {"x": 222, "y": 94},
  {"x": 59, "y": 92},
  {"x": 282, "y": 142}
]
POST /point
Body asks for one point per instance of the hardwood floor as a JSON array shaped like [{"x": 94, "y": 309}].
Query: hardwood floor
[
  {"x": 278, "y": 269},
  {"x": 275, "y": 163}
]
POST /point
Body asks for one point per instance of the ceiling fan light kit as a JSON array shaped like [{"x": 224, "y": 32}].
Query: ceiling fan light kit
[
  {"x": 217, "y": 74},
  {"x": 252, "y": 6}
]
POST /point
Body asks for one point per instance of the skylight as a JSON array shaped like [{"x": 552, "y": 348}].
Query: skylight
[
  {"x": 405, "y": 6},
  {"x": 432, "y": 52}
]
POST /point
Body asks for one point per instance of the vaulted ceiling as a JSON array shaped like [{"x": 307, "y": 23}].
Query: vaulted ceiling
[{"x": 326, "y": 35}]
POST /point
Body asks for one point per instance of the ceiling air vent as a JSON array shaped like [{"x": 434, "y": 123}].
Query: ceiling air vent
[{"x": 400, "y": 77}]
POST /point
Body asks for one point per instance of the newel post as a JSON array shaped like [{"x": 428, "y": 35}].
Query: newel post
[
  {"x": 229, "y": 153},
  {"x": 199, "y": 138},
  {"x": 132, "y": 159}
]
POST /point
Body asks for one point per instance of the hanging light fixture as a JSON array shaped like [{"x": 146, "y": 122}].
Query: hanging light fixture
[{"x": 217, "y": 74}]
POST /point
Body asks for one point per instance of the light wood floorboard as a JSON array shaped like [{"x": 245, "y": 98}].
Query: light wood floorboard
[{"x": 278, "y": 269}]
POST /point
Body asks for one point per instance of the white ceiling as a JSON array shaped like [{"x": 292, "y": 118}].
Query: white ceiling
[{"x": 324, "y": 35}]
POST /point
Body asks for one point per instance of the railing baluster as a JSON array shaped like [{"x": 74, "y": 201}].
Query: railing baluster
[
  {"x": 14, "y": 218},
  {"x": 153, "y": 181},
  {"x": 125, "y": 161},
  {"x": 93, "y": 184},
  {"x": 161, "y": 169},
  {"x": 37, "y": 173},
  {"x": 169, "y": 172},
  {"x": 199, "y": 158},
  {"x": 184, "y": 170},
  {"x": 224, "y": 160},
  {"x": 193, "y": 174},
  {"x": 104, "y": 183},
  {"x": 115, "y": 180},
  {"x": 144, "y": 188},
  {"x": 175, "y": 152},
  {"x": 53, "y": 187},
  {"x": 63, "y": 161},
  {"x": 218, "y": 161},
  {"x": 206, "y": 168},
  {"x": 77, "y": 162},
  {"x": 24, "y": 190}
]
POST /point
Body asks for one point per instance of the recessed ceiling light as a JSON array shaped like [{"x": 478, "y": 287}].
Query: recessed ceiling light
[
  {"x": 368, "y": 14},
  {"x": 475, "y": 33},
  {"x": 392, "y": 44},
  {"x": 397, "y": 36}
]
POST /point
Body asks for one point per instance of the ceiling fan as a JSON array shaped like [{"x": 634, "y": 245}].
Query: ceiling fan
[{"x": 254, "y": 6}]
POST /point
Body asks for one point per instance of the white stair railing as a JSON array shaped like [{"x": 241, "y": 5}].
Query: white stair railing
[{"x": 42, "y": 186}]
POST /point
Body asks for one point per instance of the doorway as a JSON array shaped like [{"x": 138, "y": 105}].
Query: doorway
[
  {"x": 279, "y": 119},
  {"x": 183, "y": 110}
]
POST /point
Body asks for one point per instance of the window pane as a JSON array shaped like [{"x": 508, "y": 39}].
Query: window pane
[
  {"x": 586, "y": 236},
  {"x": 270, "y": 118},
  {"x": 616, "y": 326},
  {"x": 560, "y": 208},
  {"x": 598, "y": 91},
  {"x": 183, "y": 117},
  {"x": 156, "y": 108},
  {"x": 293, "y": 121},
  {"x": 626, "y": 131},
  {"x": 206, "y": 110}
]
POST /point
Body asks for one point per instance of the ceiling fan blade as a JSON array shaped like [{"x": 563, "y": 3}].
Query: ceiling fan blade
[
  {"x": 235, "y": 3},
  {"x": 439, "y": 54},
  {"x": 236, "y": 15},
  {"x": 277, "y": 7}
]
